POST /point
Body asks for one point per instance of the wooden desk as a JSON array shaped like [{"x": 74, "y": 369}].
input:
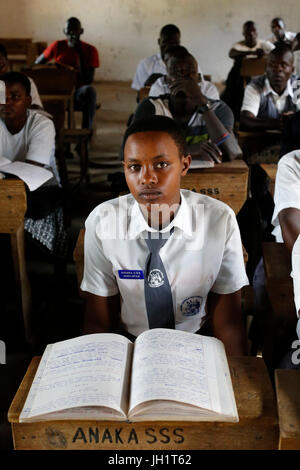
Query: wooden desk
[
  {"x": 271, "y": 170},
  {"x": 252, "y": 142},
  {"x": 279, "y": 326},
  {"x": 13, "y": 205},
  {"x": 288, "y": 401},
  {"x": 256, "y": 429},
  {"x": 20, "y": 51},
  {"x": 227, "y": 182}
]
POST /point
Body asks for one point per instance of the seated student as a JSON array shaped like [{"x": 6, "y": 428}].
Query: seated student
[
  {"x": 200, "y": 263},
  {"x": 286, "y": 220},
  {"x": 161, "y": 87},
  {"x": 251, "y": 47},
  {"x": 207, "y": 124},
  {"x": 76, "y": 54},
  {"x": 153, "y": 67},
  {"x": 270, "y": 97},
  {"x": 279, "y": 34},
  {"x": 28, "y": 136},
  {"x": 4, "y": 68}
]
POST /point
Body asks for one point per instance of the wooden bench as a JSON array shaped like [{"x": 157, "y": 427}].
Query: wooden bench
[
  {"x": 227, "y": 182},
  {"x": 20, "y": 51},
  {"x": 252, "y": 67},
  {"x": 13, "y": 207},
  {"x": 257, "y": 427},
  {"x": 288, "y": 402}
]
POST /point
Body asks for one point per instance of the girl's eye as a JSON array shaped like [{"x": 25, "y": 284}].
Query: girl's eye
[
  {"x": 134, "y": 167},
  {"x": 162, "y": 165}
]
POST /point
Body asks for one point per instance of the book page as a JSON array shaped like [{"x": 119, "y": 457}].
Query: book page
[
  {"x": 201, "y": 163},
  {"x": 34, "y": 176},
  {"x": 179, "y": 366},
  {"x": 81, "y": 372}
]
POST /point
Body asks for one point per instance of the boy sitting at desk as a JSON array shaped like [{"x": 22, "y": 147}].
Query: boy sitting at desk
[
  {"x": 28, "y": 136},
  {"x": 207, "y": 123},
  {"x": 133, "y": 286}
]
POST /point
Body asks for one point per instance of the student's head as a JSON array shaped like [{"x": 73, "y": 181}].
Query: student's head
[
  {"x": 181, "y": 64},
  {"x": 174, "y": 51},
  {"x": 280, "y": 66},
  {"x": 3, "y": 59},
  {"x": 73, "y": 31},
  {"x": 169, "y": 36},
  {"x": 154, "y": 161},
  {"x": 296, "y": 43},
  {"x": 250, "y": 33},
  {"x": 278, "y": 28},
  {"x": 17, "y": 92}
]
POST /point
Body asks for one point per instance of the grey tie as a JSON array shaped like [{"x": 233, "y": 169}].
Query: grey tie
[{"x": 158, "y": 296}]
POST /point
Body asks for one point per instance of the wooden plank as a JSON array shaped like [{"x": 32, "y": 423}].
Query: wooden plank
[
  {"x": 227, "y": 182},
  {"x": 13, "y": 205},
  {"x": 256, "y": 429},
  {"x": 288, "y": 393},
  {"x": 271, "y": 170},
  {"x": 277, "y": 262}
]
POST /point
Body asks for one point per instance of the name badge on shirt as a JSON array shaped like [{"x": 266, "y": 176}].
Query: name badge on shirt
[{"x": 131, "y": 274}]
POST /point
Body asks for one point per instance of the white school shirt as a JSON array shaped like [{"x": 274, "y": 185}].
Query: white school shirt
[
  {"x": 288, "y": 36},
  {"x": 148, "y": 66},
  {"x": 35, "y": 97},
  {"x": 203, "y": 254},
  {"x": 287, "y": 188},
  {"x": 35, "y": 141},
  {"x": 241, "y": 46},
  {"x": 296, "y": 279},
  {"x": 251, "y": 99},
  {"x": 160, "y": 87}
]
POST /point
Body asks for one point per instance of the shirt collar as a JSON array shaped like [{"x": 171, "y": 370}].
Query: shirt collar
[
  {"x": 268, "y": 89},
  {"x": 182, "y": 220}
]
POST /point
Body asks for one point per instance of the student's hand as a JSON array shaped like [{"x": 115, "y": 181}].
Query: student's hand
[
  {"x": 260, "y": 53},
  {"x": 190, "y": 88},
  {"x": 204, "y": 150}
]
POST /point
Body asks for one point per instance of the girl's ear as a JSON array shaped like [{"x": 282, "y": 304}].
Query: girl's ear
[{"x": 186, "y": 162}]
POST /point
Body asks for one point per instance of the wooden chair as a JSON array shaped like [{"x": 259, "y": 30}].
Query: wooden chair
[
  {"x": 288, "y": 402},
  {"x": 20, "y": 51},
  {"x": 227, "y": 182},
  {"x": 13, "y": 207},
  {"x": 252, "y": 67}
]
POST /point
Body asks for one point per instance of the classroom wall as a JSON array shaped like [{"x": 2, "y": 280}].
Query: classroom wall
[{"x": 124, "y": 31}]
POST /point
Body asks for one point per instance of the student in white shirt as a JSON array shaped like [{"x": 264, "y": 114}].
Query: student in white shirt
[
  {"x": 279, "y": 34},
  {"x": 203, "y": 257}
]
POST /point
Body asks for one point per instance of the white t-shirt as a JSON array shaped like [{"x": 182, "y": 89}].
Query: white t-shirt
[
  {"x": 266, "y": 46},
  {"x": 287, "y": 188},
  {"x": 35, "y": 141},
  {"x": 251, "y": 101},
  {"x": 203, "y": 254},
  {"x": 148, "y": 66},
  {"x": 296, "y": 279},
  {"x": 288, "y": 36},
  {"x": 35, "y": 97},
  {"x": 160, "y": 87}
]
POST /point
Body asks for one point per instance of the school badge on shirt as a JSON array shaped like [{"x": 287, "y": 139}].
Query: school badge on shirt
[
  {"x": 156, "y": 278},
  {"x": 191, "y": 306}
]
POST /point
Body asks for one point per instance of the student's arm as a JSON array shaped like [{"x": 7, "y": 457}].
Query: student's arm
[
  {"x": 214, "y": 119},
  {"x": 289, "y": 220},
  {"x": 41, "y": 59},
  {"x": 101, "y": 314},
  {"x": 235, "y": 54},
  {"x": 249, "y": 121},
  {"x": 227, "y": 323}
]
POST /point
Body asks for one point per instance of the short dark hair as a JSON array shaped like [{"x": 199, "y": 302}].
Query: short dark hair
[
  {"x": 179, "y": 52},
  {"x": 157, "y": 124},
  {"x": 249, "y": 23},
  {"x": 74, "y": 20},
  {"x": 281, "y": 49},
  {"x": 10, "y": 78},
  {"x": 277, "y": 20},
  {"x": 169, "y": 30},
  {"x": 3, "y": 51}
]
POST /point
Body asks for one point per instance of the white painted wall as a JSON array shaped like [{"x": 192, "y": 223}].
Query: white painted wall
[{"x": 124, "y": 31}]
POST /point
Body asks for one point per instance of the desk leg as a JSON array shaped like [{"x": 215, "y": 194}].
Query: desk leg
[
  {"x": 22, "y": 281},
  {"x": 71, "y": 114}
]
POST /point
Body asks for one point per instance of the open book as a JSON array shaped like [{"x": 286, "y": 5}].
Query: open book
[
  {"x": 165, "y": 375},
  {"x": 203, "y": 162},
  {"x": 34, "y": 176}
]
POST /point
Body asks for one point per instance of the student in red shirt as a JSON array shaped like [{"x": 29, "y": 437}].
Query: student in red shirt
[{"x": 74, "y": 53}]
